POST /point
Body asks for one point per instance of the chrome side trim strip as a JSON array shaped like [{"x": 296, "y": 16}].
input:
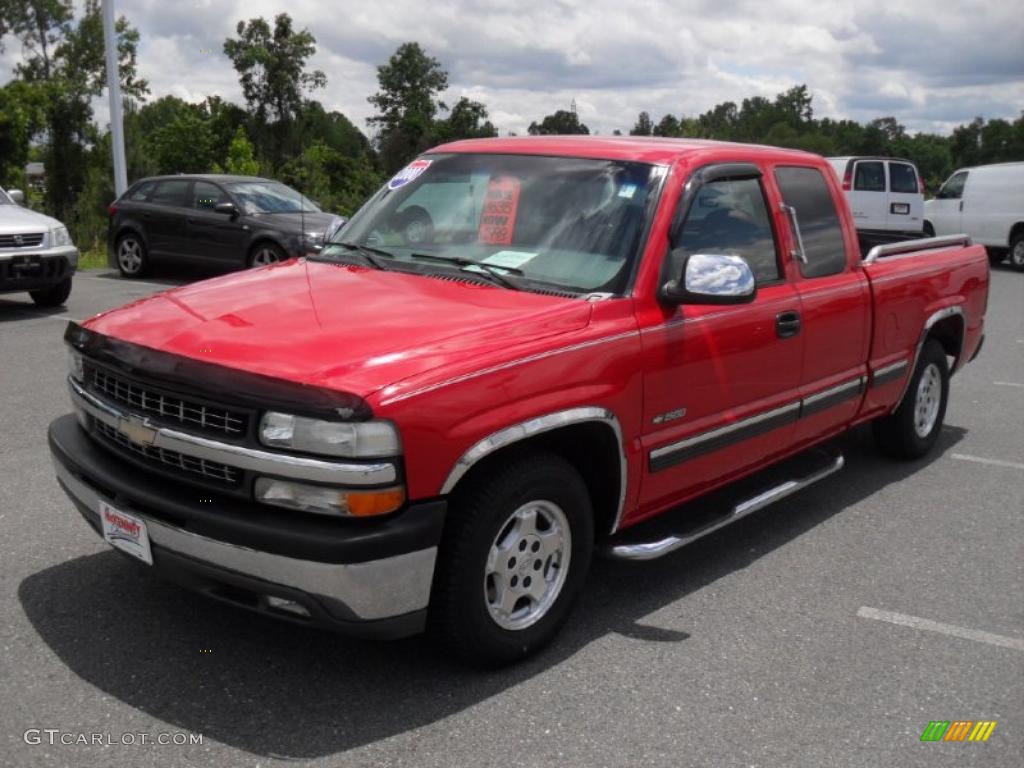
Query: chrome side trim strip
[
  {"x": 655, "y": 549},
  {"x": 279, "y": 464},
  {"x": 912, "y": 246},
  {"x": 935, "y": 317},
  {"x": 377, "y": 589},
  {"x": 888, "y": 373},
  {"x": 827, "y": 398},
  {"x": 535, "y": 426}
]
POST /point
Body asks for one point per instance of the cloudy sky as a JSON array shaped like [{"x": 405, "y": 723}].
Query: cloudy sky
[{"x": 932, "y": 64}]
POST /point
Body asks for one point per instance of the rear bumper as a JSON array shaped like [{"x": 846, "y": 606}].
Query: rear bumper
[
  {"x": 368, "y": 578},
  {"x": 34, "y": 269}
]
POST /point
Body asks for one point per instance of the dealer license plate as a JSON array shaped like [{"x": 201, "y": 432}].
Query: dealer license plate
[{"x": 126, "y": 532}]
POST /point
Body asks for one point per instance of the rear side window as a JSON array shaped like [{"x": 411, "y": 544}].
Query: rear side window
[
  {"x": 142, "y": 191},
  {"x": 806, "y": 190},
  {"x": 869, "y": 177},
  {"x": 731, "y": 217},
  {"x": 206, "y": 196},
  {"x": 902, "y": 178},
  {"x": 170, "y": 193},
  {"x": 954, "y": 187}
]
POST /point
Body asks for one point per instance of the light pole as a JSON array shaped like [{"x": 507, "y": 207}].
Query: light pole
[{"x": 114, "y": 87}]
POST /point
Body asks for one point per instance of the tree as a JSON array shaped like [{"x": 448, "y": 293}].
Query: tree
[
  {"x": 467, "y": 120},
  {"x": 407, "y": 103},
  {"x": 241, "y": 159},
  {"x": 667, "y": 126},
  {"x": 561, "y": 123},
  {"x": 643, "y": 126}
]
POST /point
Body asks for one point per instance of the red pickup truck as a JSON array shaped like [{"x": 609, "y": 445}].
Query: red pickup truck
[{"x": 517, "y": 352}]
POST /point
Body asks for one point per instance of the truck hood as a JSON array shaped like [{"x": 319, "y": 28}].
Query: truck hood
[
  {"x": 343, "y": 327},
  {"x": 17, "y": 220}
]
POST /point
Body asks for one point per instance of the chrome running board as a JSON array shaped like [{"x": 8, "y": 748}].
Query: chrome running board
[{"x": 661, "y": 547}]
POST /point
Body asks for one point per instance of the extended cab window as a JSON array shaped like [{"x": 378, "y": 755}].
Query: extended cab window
[
  {"x": 731, "y": 217},
  {"x": 806, "y": 190},
  {"x": 170, "y": 193},
  {"x": 869, "y": 177},
  {"x": 902, "y": 178},
  {"x": 953, "y": 189}
]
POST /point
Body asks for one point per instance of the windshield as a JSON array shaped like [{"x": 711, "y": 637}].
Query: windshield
[
  {"x": 569, "y": 224},
  {"x": 4, "y": 199},
  {"x": 269, "y": 197}
]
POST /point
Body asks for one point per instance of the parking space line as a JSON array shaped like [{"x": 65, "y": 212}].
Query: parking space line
[
  {"x": 991, "y": 462},
  {"x": 927, "y": 625},
  {"x": 1008, "y": 384},
  {"x": 122, "y": 281}
]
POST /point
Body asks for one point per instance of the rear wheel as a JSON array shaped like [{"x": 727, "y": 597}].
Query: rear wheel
[
  {"x": 912, "y": 430},
  {"x": 929, "y": 230},
  {"x": 516, "y": 551},
  {"x": 265, "y": 253},
  {"x": 132, "y": 259},
  {"x": 53, "y": 296},
  {"x": 995, "y": 255},
  {"x": 1017, "y": 250}
]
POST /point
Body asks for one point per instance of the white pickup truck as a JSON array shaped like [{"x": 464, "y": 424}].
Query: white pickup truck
[{"x": 36, "y": 253}]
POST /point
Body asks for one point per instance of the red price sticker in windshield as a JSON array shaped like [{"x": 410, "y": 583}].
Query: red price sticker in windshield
[{"x": 498, "y": 222}]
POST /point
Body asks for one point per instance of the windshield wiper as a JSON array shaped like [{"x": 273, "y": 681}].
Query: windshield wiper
[
  {"x": 369, "y": 253},
  {"x": 496, "y": 273}
]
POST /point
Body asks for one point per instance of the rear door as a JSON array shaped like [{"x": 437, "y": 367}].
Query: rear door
[
  {"x": 721, "y": 383},
  {"x": 867, "y": 195},
  {"x": 835, "y": 300},
  {"x": 945, "y": 211},
  {"x": 905, "y": 211},
  {"x": 213, "y": 237},
  {"x": 164, "y": 218}
]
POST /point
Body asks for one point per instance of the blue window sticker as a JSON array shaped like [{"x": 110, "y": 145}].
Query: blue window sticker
[{"x": 410, "y": 173}]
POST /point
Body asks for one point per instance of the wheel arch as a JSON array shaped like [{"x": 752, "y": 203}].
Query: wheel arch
[
  {"x": 1015, "y": 230},
  {"x": 948, "y": 326},
  {"x": 128, "y": 228},
  {"x": 260, "y": 239},
  {"x": 589, "y": 437}
]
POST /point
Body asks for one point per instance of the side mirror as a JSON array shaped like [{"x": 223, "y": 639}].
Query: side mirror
[
  {"x": 17, "y": 196},
  {"x": 711, "y": 278},
  {"x": 228, "y": 209}
]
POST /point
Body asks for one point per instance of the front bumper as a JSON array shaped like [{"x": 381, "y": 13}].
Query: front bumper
[
  {"x": 31, "y": 269},
  {"x": 358, "y": 576}
]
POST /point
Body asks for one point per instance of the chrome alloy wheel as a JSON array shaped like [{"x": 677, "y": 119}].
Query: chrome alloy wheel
[
  {"x": 129, "y": 255},
  {"x": 264, "y": 255},
  {"x": 929, "y": 397},
  {"x": 527, "y": 565}
]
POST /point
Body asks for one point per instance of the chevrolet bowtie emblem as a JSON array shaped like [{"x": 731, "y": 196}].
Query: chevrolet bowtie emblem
[
  {"x": 19, "y": 240},
  {"x": 137, "y": 431}
]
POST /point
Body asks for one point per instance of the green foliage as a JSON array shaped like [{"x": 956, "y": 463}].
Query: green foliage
[
  {"x": 467, "y": 120},
  {"x": 561, "y": 123},
  {"x": 336, "y": 182},
  {"x": 241, "y": 159},
  {"x": 644, "y": 126}
]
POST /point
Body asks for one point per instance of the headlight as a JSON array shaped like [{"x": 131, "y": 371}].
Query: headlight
[
  {"x": 75, "y": 367},
  {"x": 60, "y": 237},
  {"x": 324, "y": 500},
  {"x": 363, "y": 439}
]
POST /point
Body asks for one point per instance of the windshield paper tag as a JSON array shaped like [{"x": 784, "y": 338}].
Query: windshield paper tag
[
  {"x": 410, "y": 173},
  {"x": 510, "y": 259},
  {"x": 498, "y": 222}
]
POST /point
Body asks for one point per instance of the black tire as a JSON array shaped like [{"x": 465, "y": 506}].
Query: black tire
[
  {"x": 899, "y": 434},
  {"x": 460, "y": 613},
  {"x": 54, "y": 296},
  {"x": 415, "y": 226},
  {"x": 928, "y": 229},
  {"x": 264, "y": 253},
  {"x": 995, "y": 255},
  {"x": 1017, "y": 250},
  {"x": 131, "y": 255}
]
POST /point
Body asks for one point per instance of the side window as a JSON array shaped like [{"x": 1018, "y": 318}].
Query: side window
[
  {"x": 170, "y": 192},
  {"x": 869, "y": 177},
  {"x": 953, "y": 189},
  {"x": 731, "y": 217},
  {"x": 806, "y": 190},
  {"x": 142, "y": 191},
  {"x": 902, "y": 178},
  {"x": 206, "y": 195}
]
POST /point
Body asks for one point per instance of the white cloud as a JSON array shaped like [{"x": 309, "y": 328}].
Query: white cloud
[{"x": 931, "y": 65}]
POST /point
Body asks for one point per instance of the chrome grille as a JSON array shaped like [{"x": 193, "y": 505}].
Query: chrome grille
[
  {"x": 179, "y": 461},
  {"x": 26, "y": 240},
  {"x": 207, "y": 418}
]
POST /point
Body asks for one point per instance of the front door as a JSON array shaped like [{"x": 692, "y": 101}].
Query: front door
[
  {"x": 721, "y": 384},
  {"x": 214, "y": 237},
  {"x": 945, "y": 211}
]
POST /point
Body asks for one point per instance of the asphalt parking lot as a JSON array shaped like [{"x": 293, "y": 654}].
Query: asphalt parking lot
[{"x": 827, "y": 630}]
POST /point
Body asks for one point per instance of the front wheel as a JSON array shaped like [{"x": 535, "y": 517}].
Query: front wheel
[
  {"x": 53, "y": 296},
  {"x": 264, "y": 254},
  {"x": 515, "y": 555},
  {"x": 912, "y": 430}
]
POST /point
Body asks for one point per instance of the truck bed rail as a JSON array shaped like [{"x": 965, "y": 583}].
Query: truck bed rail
[{"x": 910, "y": 246}]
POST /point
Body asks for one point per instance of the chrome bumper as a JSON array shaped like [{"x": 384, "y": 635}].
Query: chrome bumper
[{"x": 374, "y": 590}]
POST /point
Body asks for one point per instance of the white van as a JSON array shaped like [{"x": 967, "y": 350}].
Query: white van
[
  {"x": 987, "y": 203},
  {"x": 885, "y": 196}
]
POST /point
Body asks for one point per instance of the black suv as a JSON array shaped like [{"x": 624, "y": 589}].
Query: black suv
[{"x": 228, "y": 221}]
